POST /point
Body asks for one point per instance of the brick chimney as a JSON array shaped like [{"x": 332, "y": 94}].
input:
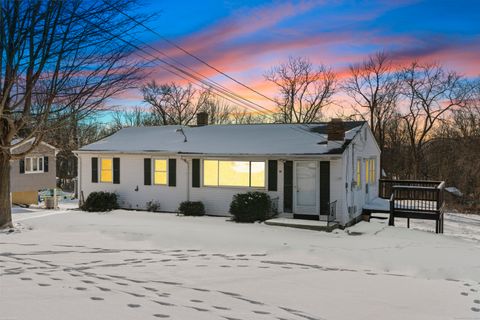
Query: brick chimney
[
  {"x": 336, "y": 133},
  {"x": 202, "y": 119}
]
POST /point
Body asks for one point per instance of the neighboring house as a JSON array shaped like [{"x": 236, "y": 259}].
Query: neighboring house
[
  {"x": 34, "y": 172},
  {"x": 303, "y": 167}
]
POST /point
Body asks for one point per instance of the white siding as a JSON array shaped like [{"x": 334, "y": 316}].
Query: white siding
[
  {"x": 216, "y": 199},
  {"x": 362, "y": 147},
  {"x": 131, "y": 177}
]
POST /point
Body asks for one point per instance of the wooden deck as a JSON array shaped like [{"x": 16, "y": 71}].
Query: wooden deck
[{"x": 409, "y": 199}]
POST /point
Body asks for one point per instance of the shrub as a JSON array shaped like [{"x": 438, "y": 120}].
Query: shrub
[
  {"x": 153, "y": 206},
  {"x": 251, "y": 207},
  {"x": 192, "y": 208},
  {"x": 100, "y": 201}
]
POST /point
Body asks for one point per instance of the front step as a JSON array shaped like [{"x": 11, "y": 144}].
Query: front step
[{"x": 303, "y": 224}]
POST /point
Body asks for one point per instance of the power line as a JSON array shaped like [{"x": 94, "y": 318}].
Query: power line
[
  {"x": 189, "y": 53},
  {"x": 207, "y": 79},
  {"x": 221, "y": 90}
]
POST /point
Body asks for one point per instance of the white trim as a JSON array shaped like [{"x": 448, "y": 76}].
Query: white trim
[
  {"x": 100, "y": 170},
  {"x": 32, "y": 158},
  {"x": 22, "y": 143},
  {"x": 265, "y": 174},
  {"x": 166, "y": 172}
]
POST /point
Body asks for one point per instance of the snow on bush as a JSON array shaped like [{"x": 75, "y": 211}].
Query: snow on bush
[
  {"x": 192, "y": 208},
  {"x": 251, "y": 207},
  {"x": 100, "y": 201}
]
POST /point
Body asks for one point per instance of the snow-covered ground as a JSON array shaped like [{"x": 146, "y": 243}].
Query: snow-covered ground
[{"x": 136, "y": 265}]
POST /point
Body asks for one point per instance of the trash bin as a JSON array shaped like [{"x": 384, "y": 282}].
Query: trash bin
[{"x": 50, "y": 202}]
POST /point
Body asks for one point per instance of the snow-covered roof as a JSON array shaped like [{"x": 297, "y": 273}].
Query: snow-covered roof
[
  {"x": 18, "y": 142},
  {"x": 255, "y": 139}
]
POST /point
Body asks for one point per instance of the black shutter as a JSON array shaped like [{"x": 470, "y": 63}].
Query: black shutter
[
  {"x": 272, "y": 175},
  {"x": 288, "y": 186},
  {"x": 22, "y": 165},
  {"x": 147, "y": 171},
  {"x": 172, "y": 172},
  {"x": 324, "y": 187},
  {"x": 94, "y": 170},
  {"x": 45, "y": 164},
  {"x": 116, "y": 170},
  {"x": 196, "y": 173}
]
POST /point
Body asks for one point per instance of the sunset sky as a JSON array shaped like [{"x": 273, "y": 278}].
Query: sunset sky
[{"x": 246, "y": 38}]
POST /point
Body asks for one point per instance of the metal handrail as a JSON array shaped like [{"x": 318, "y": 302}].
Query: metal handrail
[{"x": 332, "y": 213}]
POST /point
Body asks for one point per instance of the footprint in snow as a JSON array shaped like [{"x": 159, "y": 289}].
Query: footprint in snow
[
  {"x": 475, "y": 309},
  {"x": 196, "y": 301},
  {"x": 88, "y": 281},
  {"x": 96, "y": 298},
  {"x": 164, "y": 303},
  {"x": 260, "y": 312},
  {"x": 133, "y": 305},
  {"x": 464, "y": 293},
  {"x": 158, "y": 315},
  {"x": 198, "y": 309},
  {"x": 221, "y": 308},
  {"x": 44, "y": 284},
  {"x": 104, "y": 289}
]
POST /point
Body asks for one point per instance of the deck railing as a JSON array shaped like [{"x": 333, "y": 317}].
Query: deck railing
[
  {"x": 419, "y": 200},
  {"x": 386, "y": 185}
]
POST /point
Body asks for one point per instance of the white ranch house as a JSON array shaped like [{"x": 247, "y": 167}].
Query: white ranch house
[{"x": 305, "y": 168}]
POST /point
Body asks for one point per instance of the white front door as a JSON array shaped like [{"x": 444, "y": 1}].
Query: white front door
[{"x": 306, "y": 187}]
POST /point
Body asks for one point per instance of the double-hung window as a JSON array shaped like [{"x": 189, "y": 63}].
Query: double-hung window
[
  {"x": 372, "y": 171},
  {"x": 33, "y": 164},
  {"x": 160, "y": 171},
  {"x": 358, "y": 181},
  {"x": 106, "y": 170},
  {"x": 226, "y": 173}
]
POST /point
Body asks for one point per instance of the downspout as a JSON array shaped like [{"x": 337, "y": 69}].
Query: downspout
[
  {"x": 79, "y": 178},
  {"x": 188, "y": 178},
  {"x": 353, "y": 174}
]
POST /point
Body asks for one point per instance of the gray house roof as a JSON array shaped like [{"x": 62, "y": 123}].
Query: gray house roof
[{"x": 255, "y": 139}]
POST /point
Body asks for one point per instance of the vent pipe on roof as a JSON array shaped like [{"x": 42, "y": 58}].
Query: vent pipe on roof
[
  {"x": 336, "y": 132},
  {"x": 202, "y": 119}
]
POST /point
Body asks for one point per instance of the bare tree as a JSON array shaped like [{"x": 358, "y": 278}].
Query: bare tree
[
  {"x": 56, "y": 58},
  {"x": 304, "y": 90},
  {"x": 174, "y": 104},
  {"x": 430, "y": 92},
  {"x": 374, "y": 86},
  {"x": 135, "y": 117},
  {"x": 218, "y": 110}
]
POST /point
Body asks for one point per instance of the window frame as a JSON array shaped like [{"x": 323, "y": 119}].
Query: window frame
[
  {"x": 265, "y": 174},
  {"x": 154, "y": 170},
  {"x": 38, "y": 160},
  {"x": 100, "y": 169},
  {"x": 372, "y": 174},
  {"x": 358, "y": 174}
]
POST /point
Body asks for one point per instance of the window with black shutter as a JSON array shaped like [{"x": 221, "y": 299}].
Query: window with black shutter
[
  {"x": 116, "y": 170},
  {"x": 172, "y": 172},
  {"x": 94, "y": 170},
  {"x": 147, "y": 171},
  {"x": 22, "y": 165},
  {"x": 196, "y": 173},
  {"x": 272, "y": 175},
  {"x": 288, "y": 186},
  {"x": 45, "y": 164}
]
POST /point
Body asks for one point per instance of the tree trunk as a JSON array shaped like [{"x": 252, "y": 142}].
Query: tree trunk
[{"x": 5, "y": 205}]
